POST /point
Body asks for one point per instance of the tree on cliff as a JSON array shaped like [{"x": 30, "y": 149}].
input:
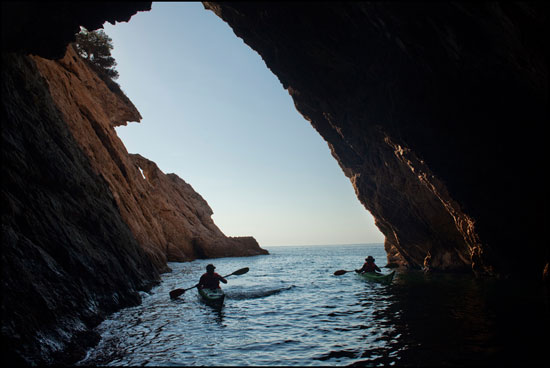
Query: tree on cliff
[{"x": 95, "y": 47}]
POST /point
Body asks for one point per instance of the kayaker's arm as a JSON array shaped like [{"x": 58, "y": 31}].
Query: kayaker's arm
[
  {"x": 201, "y": 283},
  {"x": 223, "y": 280}
]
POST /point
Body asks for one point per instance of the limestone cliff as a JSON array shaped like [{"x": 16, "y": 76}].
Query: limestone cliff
[{"x": 168, "y": 218}]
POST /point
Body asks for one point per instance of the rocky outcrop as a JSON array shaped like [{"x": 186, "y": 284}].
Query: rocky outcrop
[
  {"x": 435, "y": 111},
  {"x": 186, "y": 219},
  {"x": 168, "y": 218}
]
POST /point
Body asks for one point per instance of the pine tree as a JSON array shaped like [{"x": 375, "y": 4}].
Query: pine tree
[{"x": 95, "y": 47}]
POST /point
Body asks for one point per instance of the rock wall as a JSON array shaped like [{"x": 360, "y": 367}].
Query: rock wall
[
  {"x": 67, "y": 256},
  {"x": 436, "y": 113},
  {"x": 83, "y": 231}
]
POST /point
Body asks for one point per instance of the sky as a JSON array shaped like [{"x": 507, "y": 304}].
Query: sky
[{"x": 215, "y": 115}]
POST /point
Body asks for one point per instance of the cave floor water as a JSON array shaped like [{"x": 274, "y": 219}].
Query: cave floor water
[{"x": 290, "y": 310}]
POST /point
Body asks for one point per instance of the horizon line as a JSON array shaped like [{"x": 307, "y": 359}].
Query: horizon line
[{"x": 321, "y": 245}]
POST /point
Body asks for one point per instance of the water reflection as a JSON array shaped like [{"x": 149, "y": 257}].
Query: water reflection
[{"x": 442, "y": 319}]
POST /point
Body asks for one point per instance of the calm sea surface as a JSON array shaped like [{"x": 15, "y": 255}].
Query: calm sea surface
[{"x": 290, "y": 309}]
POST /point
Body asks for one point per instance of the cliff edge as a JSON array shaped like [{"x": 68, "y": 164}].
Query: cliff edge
[{"x": 168, "y": 218}]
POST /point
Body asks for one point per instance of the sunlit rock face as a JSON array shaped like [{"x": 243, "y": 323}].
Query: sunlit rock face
[
  {"x": 169, "y": 219},
  {"x": 434, "y": 111},
  {"x": 186, "y": 219}
]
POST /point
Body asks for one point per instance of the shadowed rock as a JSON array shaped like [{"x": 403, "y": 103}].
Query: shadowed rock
[{"x": 435, "y": 111}]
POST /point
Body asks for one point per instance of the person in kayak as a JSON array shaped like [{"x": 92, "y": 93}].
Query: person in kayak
[
  {"x": 369, "y": 266},
  {"x": 211, "y": 279}
]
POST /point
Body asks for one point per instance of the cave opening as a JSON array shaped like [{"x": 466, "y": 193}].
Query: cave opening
[
  {"x": 335, "y": 321},
  {"x": 216, "y": 116}
]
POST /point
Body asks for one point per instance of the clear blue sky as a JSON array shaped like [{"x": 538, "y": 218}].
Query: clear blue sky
[{"x": 216, "y": 116}]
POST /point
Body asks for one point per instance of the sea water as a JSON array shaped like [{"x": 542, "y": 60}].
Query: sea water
[{"x": 291, "y": 310}]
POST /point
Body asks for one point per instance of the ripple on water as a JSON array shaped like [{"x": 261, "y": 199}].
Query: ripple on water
[{"x": 277, "y": 315}]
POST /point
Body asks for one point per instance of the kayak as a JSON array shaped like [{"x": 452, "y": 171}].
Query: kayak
[
  {"x": 209, "y": 296},
  {"x": 379, "y": 277}
]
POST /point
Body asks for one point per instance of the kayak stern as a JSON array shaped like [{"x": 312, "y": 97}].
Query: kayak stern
[{"x": 212, "y": 296}]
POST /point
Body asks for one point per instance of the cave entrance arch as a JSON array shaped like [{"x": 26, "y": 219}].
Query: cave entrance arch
[{"x": 216, "y": 116}]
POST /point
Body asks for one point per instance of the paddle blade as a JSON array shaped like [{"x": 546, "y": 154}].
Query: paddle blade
[
  {"x": 241, "y": 271},
  {"x": 175, "y": 293},
  {"x": 340, "y": 272}
]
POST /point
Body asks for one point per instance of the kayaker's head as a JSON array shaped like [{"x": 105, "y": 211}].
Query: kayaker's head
[
  {"x": 369, "y": 259},
  {"x": 210, "y": 268}
]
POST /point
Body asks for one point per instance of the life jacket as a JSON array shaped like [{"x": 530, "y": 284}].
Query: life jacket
[
  {"x": 369, "y": 267},
  {"x": 210, "y": 281}
]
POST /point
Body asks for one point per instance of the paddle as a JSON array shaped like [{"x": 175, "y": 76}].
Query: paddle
[
  {"x": 341, "y": 272},
  {"x": 177, "y": 292}
]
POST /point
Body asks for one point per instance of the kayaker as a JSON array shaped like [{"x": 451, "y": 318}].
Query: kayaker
[
  {"x": 211, "y": 279},
  {"x": 369, "y": 266}
]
